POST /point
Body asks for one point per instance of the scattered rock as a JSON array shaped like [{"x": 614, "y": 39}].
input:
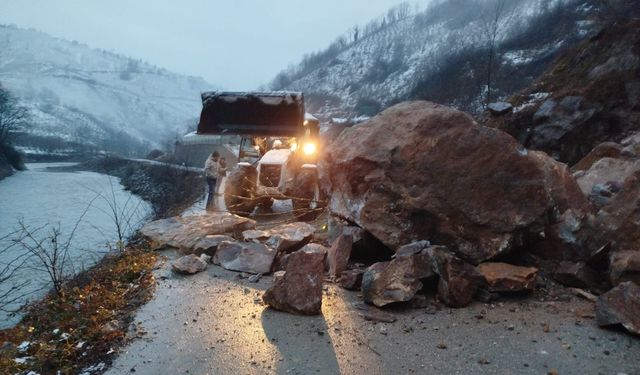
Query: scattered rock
[
  {"x": 205, "y": 258},
  {"x": 298, "y": 289},
  {"x": 280, "y": 262},
  {"x": 338, "y": 255},
  {"x": 244, "y": 257},
  {"x": 254, "y": 278},
  {"x": 351, "y": 279},
  {"x": 207, "y": 245},
  {"x": 374, "y": 314},
  {"x": 185, "y": 232},
  {"x": 189, "y": 264},
  {"x": 290, "y": 237},
  {"x": 605, "y": 178},
  {"x": 504, "y": 277},
  {"x": 620, "y": 305},
  {"x": 499, "y": 108},
  {"x": 397, "y": 280},
  {"x": 458, "y": 280},
  {"x": 576, "y": 274},
  {"x": 480, "y": 194},
  {"x": 624, "y": 266}
]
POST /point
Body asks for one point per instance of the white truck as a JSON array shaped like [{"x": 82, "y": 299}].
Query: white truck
[{"x": 278, "y": 150}]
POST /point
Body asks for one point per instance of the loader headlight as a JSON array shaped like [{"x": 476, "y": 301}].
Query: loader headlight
[{"x": 309, "y": 148}]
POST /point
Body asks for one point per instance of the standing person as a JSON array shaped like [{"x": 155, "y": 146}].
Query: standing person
[
  {"x": 211, "y": 172},
  {"x": 222, "y": 172}
]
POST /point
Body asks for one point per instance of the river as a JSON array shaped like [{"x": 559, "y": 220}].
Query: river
[{"x": 44, "y": 201}]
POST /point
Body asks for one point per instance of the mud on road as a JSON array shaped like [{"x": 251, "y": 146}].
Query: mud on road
[{"x": 215, "y": 323}]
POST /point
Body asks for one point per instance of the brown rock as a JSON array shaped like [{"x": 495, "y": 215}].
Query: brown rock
[
  {"x": 338, "y": 255},
  {"x": 421, "y": 170},
  {"x": 620, "y": 305},
  {"x": 189, "y": 264},
  {"x": 186, "y": 232},
  {"x": 624, "y": 266},
  {"x": 244, "y": 257},
  {"x": 504, "y": 277},
  {"x": 398, "y": 280},
  {"x": 298, "y": 290},
  {"x": 616, "y": 223},
  {"x": 351, "y": 279},
  {"x": 374, "y": 314},
  {"x": 603, "y": 150},
  {"x": 458, "y": 280},
  {"x": 605, "y": 177},
  {"x": 576, "y": 274},
  {"x": 280, "y": 262}
]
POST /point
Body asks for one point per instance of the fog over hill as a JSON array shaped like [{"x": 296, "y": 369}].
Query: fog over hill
[{"x": 84, "y": 98}]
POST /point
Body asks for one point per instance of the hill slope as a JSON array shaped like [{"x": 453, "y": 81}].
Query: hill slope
[
  {"x": 440, "y": 54},
  {"x": 82, "y": 97}
]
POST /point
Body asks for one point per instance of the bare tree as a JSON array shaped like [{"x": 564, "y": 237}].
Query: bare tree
[
  {"x": 12, "y": 115},
  {"x": 12, "y": 290},
  {"x": 495, "y": 20}
]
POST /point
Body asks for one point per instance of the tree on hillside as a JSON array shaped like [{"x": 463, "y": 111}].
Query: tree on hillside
[
  {"x": 495, "y": 19},
  {"x": 12, "y": 115}
]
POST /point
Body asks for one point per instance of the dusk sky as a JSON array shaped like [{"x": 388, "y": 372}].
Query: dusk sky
[{"x": 237, "y": 45}]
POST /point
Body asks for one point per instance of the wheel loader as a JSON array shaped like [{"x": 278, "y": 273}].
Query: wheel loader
[{"x": 277, "y": 154}]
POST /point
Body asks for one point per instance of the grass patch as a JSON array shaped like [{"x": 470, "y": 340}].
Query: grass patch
[{"x": 79, "y": 328}]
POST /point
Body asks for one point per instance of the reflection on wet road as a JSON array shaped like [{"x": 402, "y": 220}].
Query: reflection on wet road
[{"x": 215, "y": 323}]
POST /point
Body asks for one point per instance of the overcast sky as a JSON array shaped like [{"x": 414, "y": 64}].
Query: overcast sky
[{"x": 235, "y": 44}]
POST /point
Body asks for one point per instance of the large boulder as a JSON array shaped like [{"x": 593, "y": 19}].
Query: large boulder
[
  {"x": 186, "y": 233},
  {"x": 298, "y": 289},
  {"x": 425, "y": 171},
  {"x": 620, "y": 305},
  {"x": 244, "y": 257},
  {"x": 399, "y": 279},
  {"x": 624, "y": 266}
]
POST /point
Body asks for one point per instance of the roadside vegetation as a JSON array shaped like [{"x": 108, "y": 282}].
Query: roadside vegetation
[{"x": 77, "y": 328}]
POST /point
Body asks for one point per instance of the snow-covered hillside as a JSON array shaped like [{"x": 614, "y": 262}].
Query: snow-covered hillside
[
  {"x": 409, "y": 54},
  {"x": 85, "y": 96}
]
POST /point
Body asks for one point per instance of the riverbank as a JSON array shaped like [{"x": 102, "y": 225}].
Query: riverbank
[{"x": 168, "y": 188}]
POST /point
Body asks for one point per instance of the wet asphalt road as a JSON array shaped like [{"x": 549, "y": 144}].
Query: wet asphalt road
[{"x": 215, "y": 323}]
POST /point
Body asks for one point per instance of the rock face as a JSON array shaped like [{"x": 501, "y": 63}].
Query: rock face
[
  {"x": 244, "y": 257},
  {"x": 189, "y": 264},
  {"x": 186, "y": 232},
  {"x": 397, "y": 280},
  {"x": 504, "y": 277},
  {"x": 458, "y": 280},
  {"x": 298, "y": 289},
  {"x": 338, "y": 255},
  {"x": 620, "y": 305},
  {"x": 424, "y": 171}
]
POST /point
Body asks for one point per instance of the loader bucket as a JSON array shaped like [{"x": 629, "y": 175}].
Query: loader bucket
[{"x": 277, "y": 114}]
